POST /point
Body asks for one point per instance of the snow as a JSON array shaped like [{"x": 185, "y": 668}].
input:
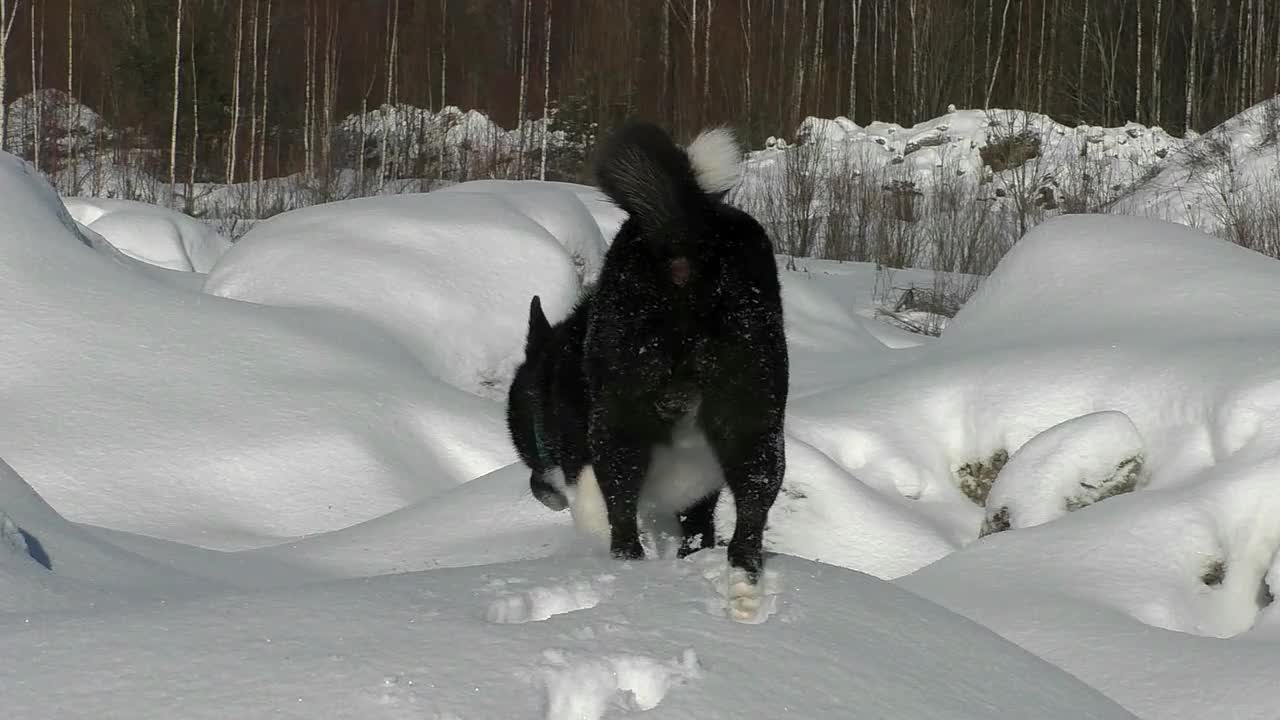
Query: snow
[
  {"x": 930, "y": 155},
  {"x": 1220, "y": 175},
  {"x": 457, "y": 266},
  {"x": 290, "y": 492},
  {"x": 155, "y": 235},
  {"x": 139, "y": 405}
]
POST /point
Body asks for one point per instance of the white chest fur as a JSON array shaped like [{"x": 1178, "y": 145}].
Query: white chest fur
[
  {"x": 680, "y": 474},
  {"x": 684, "y": 472}
]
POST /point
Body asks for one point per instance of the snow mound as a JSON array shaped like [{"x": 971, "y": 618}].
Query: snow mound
[
  {"x": 1229, "y": 173},
  {"x": 1097, "y": 339},
  {"x": 565, "y": 215},
  {"x": 150, "y": 233},
  {"x": 839, "y": 640},
  {"x": 1065, "y": 468},
  {"x": 143, "y": 407},
  {"x": 447, "y": 274},
  {"x": 933, "y": 154}
]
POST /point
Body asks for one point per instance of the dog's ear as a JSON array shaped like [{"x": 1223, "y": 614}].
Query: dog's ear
[{"x": 539, "y": 328}]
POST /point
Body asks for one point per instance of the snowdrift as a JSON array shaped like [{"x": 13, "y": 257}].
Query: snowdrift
[
  {"x": 585, "y": 640},
  {"x": 448, "y": 274},
  {"x": 1229, "y": 174},
  {"x": 150, "y": 233},
  {"x": 1084, "y": 463},
  {"x": 136, "y": 405}
]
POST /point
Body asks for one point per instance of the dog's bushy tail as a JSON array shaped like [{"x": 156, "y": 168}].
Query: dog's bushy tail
[{"x": 659, "y": 183}]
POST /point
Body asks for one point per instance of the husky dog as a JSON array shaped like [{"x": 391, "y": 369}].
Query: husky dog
[{"x": 668, "y": 381}]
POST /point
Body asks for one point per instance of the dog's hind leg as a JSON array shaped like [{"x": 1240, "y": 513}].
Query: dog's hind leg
[
  {"x": 621, "y": 462},
  {"x": 753, "y": 465},
  {"x": 697, "y": 525}
]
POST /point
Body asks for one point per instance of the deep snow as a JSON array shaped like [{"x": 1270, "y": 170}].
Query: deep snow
[{"x": 305, "y": 505}]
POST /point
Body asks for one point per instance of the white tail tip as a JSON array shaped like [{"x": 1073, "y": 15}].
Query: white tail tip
[{"x": 716, "y": 159}]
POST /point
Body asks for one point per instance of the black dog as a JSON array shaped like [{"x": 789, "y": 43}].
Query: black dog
[{"x": 669, "y": 379}]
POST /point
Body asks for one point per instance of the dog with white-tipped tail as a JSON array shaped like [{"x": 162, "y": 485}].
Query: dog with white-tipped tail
[{"x": 668, "y": 382}]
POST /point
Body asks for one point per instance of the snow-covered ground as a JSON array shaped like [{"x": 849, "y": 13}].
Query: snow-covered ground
[
  {"x": 284, "y": 489},
  {"x": 1229, "y": 175}
]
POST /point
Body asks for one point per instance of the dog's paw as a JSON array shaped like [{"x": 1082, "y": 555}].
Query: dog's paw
[{"x": 741, "y": 599}]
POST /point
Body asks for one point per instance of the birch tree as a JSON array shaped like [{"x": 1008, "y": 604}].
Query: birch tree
[
  {"x": 36, "y": 115},
  {"x": 706, "y": 55},
  {"x": 177, "y": 91},
  {"x": 266, "y": 76},
  {"x": 1137, "y": 86},
  {"x": 234, "y": 137},
  {"x": 1193, "y": 42},
  {"x": 7, "y": 16},
  {"x": 1084, "y": 45},
  {"x": 546, "y": 85},
  {"x": 1157, "y": 56},
  {"x": 72, "y": 106},
  {"x": 393, "y": 32},
  {"x": 995, "y": 67},
  {"x": 195, "y": 127},
  {"x": 853, "y": 60}
]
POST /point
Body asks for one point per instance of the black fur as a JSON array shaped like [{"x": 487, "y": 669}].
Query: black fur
[{"x": 651, "y": 343}]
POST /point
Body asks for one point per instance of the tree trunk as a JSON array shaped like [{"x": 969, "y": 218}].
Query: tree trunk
[
  {"x": 177, "y": 87},
  {"x": 253, "y": 95},
  {"x": 34, "y": 116},
  {"x": 546, "y": 85},
  {"x": 1157, "y": 53},
  {"x": 72, "y": 107},
  {"x": 706, "y": 59},
  {"x": 190, "y": 195},
  {"x": 6, "y": 28},
  {"x": 266, "y": 77},
  {"x": 235, "y": 97},
  {"x": 524, "y": 84},
  {"x": 1137, "y": 92},
  {"x": 1189, "y": 105},
  {"x": 1044, "y": 22},
  {"x": 853, "y": 62},
  {"x": 393, "y": 32},
  {"x": 309, "y": 94},
  {"x": 995, "y": 68},
  {"x": 1084, "y": 44}
]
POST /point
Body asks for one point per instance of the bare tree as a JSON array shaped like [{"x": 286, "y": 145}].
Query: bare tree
[
  {"x": 706, "y": 55},
  {"x": 309, "y": 32},
  {"x": 72, "y": 106},
  {"x": 7, "y": 16},
  {"x": 1137, "y": 88},
  {"x": 253, "y": 88},
  {"x": 195, "y": 129},
  {"x": 1193, "y": 43},
  {"x": 177, "y": 90},
  {"x": 1157, "y": 55},
  {"x": 995, "y": 68},
  {"x": 546, "y": 86},
  {"x": 1084, "y": 44},
  {"x": 750, "y": 57},
  {"x": 235, "y": 96},
  {"x": 36, "y": 117},
  {"x": 853, "y": 59},
  {"x": 266, "y": 76},
  {"x": 524, "y": 81},
  {"x": 393, "y": 33}
]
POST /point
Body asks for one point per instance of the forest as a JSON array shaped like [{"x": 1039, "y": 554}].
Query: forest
[{"x": 233, "y": 89}]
